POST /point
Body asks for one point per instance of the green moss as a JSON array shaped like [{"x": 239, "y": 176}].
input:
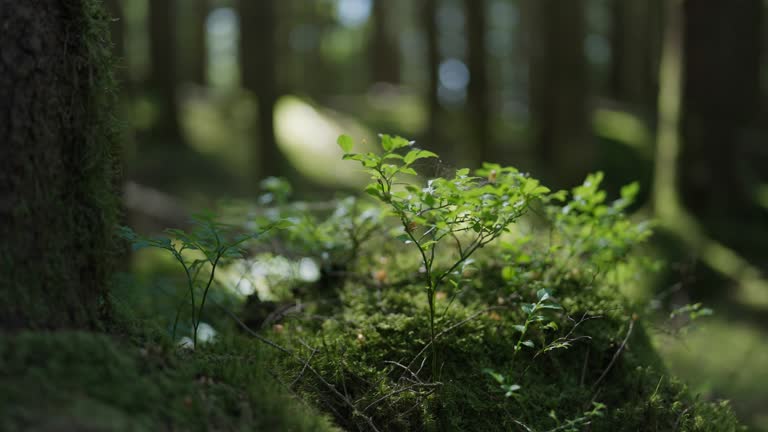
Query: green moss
[
  {"x": 356, "y": 349},
  {"x": 85, "y": 381}
]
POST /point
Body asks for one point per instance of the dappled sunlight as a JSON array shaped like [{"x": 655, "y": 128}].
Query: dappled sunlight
[
  {"x": 722, "y": 359},
  {"x": 624, "y": 128},
  {"x": 307, "y": 135}
]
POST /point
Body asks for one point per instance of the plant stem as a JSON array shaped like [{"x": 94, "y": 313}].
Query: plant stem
[{"x": 205, "y": 295}]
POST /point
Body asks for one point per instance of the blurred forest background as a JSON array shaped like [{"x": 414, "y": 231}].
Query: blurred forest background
[{"x": 217, "y": 95}]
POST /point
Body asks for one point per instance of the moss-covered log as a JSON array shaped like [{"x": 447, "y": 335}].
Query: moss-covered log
[{"x": 57, "y": 163}]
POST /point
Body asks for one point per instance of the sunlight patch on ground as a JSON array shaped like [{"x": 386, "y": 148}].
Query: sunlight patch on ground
[
  {"x": 307, "y": 136},
  {"x": 723, "y": 359},
  {"x": 624, "y": 128}
]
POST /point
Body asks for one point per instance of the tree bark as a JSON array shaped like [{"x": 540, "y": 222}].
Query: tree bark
[
  {"x": 196, "y": 50},
  {"x": 117, "y": 29},
  {"x": 57, "y": 164},
  {"x": 258, "y": 57},
  {"x": 635, "y": 51},
  {"x": 477, "y": 92},
  {"x": 428, "y": 12},
  {"x": 384, "y": 49},
  {"x": 559, "y": 108},
  {"x": 163, "y": 78},
  {"x": 721, "y": 102}
]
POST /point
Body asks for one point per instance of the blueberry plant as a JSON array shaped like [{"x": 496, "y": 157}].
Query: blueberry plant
[
  {"x": 199, "y": 252},
  {"x": 461, "y": 213}
]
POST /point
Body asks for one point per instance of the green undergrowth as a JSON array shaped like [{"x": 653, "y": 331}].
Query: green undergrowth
[
  {"x": 364, "y": 351},
  {"x": 72, "y": 380},
  {"x": 472, "y": 301}
]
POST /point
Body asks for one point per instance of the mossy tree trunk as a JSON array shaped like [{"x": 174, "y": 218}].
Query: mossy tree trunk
[{"x": 57, "y": 164}]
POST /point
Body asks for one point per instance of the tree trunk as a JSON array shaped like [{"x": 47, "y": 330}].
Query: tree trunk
[
  {"x": 117, "y": 31},
  {"x": 57, "y": 164},
  {"x": 163, "y": 72},
  {"x": 428, "y": 12},
  {"x": 258, "y": 57},
  {"x": 477, "y": 93},
  {"x": 559, "y": 108},
  {"x": 384, "y": 49},
  {"x": 636, "y": 46},
  {"x": 721, "y": 101},
  {"x": 196, "y": 46}
]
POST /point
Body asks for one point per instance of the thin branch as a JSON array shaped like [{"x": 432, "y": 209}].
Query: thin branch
[
  {"x": 303, "y": 369},
  {"x": 401, "y": 390},
  {"x": 615, "y": 355},
  {"x": 451, "y": 328}
]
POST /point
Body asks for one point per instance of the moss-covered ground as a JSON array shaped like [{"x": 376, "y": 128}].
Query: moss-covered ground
[
  {"x": 79, "y": 381},
  {"x": 364, "y": 352}
]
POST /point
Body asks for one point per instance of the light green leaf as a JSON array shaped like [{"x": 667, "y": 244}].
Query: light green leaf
[
  {"x": 543, "y": 294},
  {"x": 414, "y": 155},
  {"x": 345, "y": 142}
]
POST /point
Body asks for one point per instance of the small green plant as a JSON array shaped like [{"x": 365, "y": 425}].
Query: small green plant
[
  {"x": 200, "y": 251},
  {"x": 462, "y": 212},
  {"x": 535, "y": 313},
  {"x": 578, "y": 423}
]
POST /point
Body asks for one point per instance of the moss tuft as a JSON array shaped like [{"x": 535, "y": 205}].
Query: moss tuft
[
  {"x": 356, "y": 351},
  {"x": 83, "y": 381}
]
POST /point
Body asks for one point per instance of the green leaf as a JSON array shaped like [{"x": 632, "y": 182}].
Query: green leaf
[
  {"x": 508, "y": 273},
  {"x": 386, "y": 143},
  {"x": 345, "y": 142},
  {"x": 519, "y": 327},
  {"x": 373, "y": 190},
  {"x": 529, "y": 344},
  {"x": 543, "y": 294},
  {"x": 499, "y": 378},
  {"x": 414, "y": 155},
  {"x": 400, "y": 142},
  {"x": 510, "y": 389},
  {"x": 282, "y": 224}
]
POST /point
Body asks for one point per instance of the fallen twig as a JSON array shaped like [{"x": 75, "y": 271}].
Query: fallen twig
[{"x": 615, "y": 355}]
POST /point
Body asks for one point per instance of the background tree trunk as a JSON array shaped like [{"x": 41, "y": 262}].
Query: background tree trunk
[
  {"x": 635, "y": 51},
  {"x": 384, "y": 49},
  {"x": 163, "y": 71},
  {"x": 257, "y": 68},
  {"x": 195, "y": 48},
  {"x": 477, "y": 92},
  {"x": 57, "y": 164},
  {"x": 558, "y": 97},
  {"x": 428, "y": 17},
  {"x": 721, "y": 101}
]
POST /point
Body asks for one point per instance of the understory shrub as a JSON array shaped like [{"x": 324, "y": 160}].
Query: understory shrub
[{"x": 474, "y": 301}]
